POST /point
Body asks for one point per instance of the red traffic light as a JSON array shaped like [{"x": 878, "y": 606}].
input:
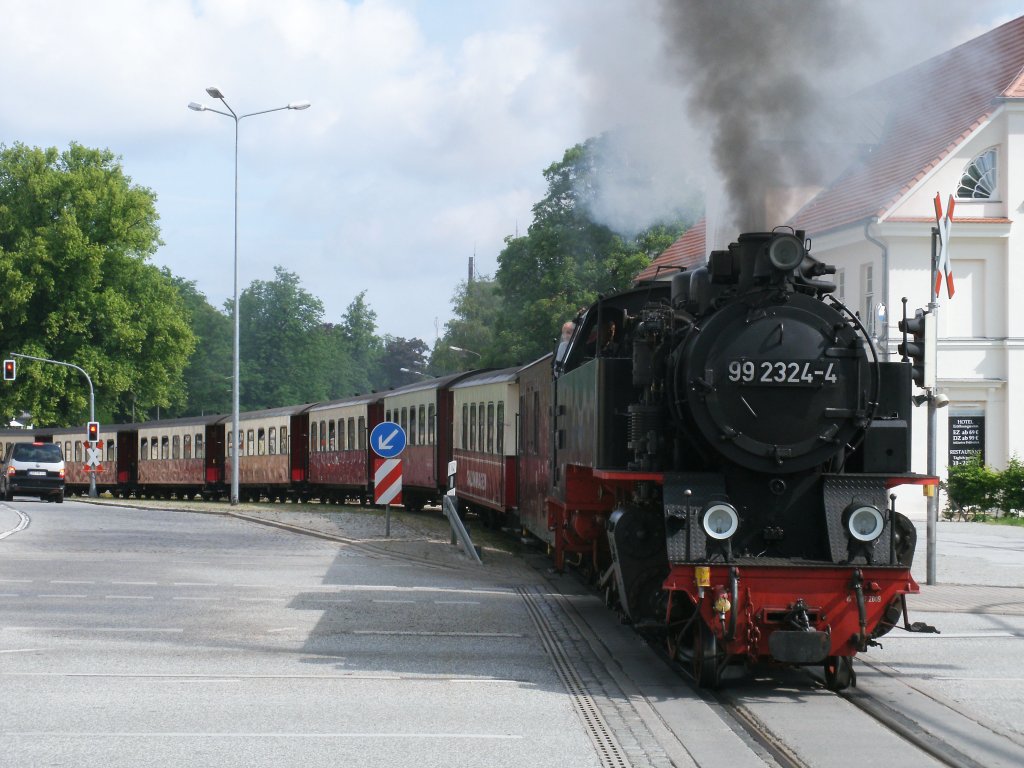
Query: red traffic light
[
  {"x": 94, "y": 431},
  {"x": 10, "y": 370}
]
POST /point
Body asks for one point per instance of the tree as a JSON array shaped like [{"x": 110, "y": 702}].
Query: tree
[
  {"x": 399, "y": 353},
  {"x": 281, "y": 343},
  {"x": 476, "y": 308},
  {"x": 358, "y": 331},
  {"x": 75, "y": 238},
  {"x": 208, "y": 373},
  {"x": 565, "y": 259}
]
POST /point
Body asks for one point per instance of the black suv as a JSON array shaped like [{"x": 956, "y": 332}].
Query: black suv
[{"x": 33, "y": 469}]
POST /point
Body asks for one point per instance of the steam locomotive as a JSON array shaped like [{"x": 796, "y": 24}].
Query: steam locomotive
[
  {"x": 723, "y": 448},
  {"x": 715, "y": 452}
]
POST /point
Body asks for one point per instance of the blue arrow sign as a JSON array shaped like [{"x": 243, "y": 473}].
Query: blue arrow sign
[{"x": 387, "y": 439}]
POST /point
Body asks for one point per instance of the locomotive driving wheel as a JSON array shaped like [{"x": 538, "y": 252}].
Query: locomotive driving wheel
[
  {"x": 839, "y": 674},
  {"x": 706, "y": 657}
]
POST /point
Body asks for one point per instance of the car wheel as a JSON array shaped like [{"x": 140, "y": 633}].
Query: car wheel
[{"x": 60, "y": 497}]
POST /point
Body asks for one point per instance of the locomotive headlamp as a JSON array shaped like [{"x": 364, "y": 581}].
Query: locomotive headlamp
[
  {"x": 786, "y": 252},
  {"x": 720, "y": 521},
  {"x": 864, "y": 522}
]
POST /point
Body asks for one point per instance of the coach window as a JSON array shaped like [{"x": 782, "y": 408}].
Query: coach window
[
  {"x": 199, "y": 446},
  {"x": 314, "y": 430},
  {"x": 351, "y": 433},
  {"x": 78, "y": 450},
  {"x": 187, "y": 446},
  {"x": 143, "y": 449},
  {"x": 490, "y": 427},
  {"x": 403, "y": 420},
  {"x": 411, "y": 433},
  {"x": 536, "y": 422},
  {"x": 480, "y": 427},
  {"x": 285, "y": 448},
  {"x": 362, "y": 432},
  {"x": 261, "y": 442},
  {"x": 387, "y": 415},
  {"x": 421, "y": 426},
  {"x": 332, "y": 436},
  {"x": 176, "y": 447},
  {"x": 464, "y": 442},
  {"x": 231, "y": 444},
  {"x": 165, "y": 447},
  {"x": 472, "y": 426},
  {"x": 67, "y": 448},
  {"x": 111, "y": 448},
  {"x": 501, "y": 427},
  {"x": 249, "y": 443},
  {"x": 272, "y": 441},
  {"x": 323, "y": 435}
]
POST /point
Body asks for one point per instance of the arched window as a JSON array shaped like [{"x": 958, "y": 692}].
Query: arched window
[{"x": 979, "y": 179}]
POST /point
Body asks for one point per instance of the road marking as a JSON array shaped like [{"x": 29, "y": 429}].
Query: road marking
[
  {"x": 135, "y": 583},
  {"x": 432, "y": 736},
  {"x": 66, "y": 596},
  {"x": 457, "y": 602},
  {"x": 433, "y": 634},
  {"x": 69, "y": 581},
  {"x": 128, "y": 597},
  {"x": 21, "y": 650},
  {"x": 195, "y": 598},
  {"x": 94, "y": 629},
  {"x": 194, "y": 584},
  {"x": 282, "y": 629},
  {"x": 404, "y": 602},
  {"x": 22, "y": 523},
  {"x": 15, "y": 581}
]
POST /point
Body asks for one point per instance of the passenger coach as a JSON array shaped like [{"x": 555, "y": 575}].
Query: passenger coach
[
  {"x": 486, "y": 411},
  {"x": 339, "y": 466}
]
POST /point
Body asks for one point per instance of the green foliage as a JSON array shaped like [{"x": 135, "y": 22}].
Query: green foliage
[
  {"x": 358, "y": 334},
  {"x": 75, "y": 237},
  {"x": 399, "y": 353},
  {"x": 477, "y": 307},
  {"x": 564, "y": 261},
  {"x": 208, "y": 373},
  {"x": 976, "y": 490},
  {"x": 280, "y": 334}
]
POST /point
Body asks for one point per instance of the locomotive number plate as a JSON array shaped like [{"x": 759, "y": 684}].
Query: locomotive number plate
[{"x": 787, "y": 373}]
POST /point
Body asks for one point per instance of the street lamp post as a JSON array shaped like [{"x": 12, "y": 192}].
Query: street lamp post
[
  {"x": 466, "y": 351},
  {"x": 215, "y": 93}
]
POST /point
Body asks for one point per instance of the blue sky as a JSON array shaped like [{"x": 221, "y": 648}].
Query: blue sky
[{"x": 430, "y": 126}]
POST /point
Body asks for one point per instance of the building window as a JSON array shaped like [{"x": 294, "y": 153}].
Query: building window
[{"x": 979, "y": 179}]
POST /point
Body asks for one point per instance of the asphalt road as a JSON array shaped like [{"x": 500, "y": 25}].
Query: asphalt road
[{"x": 140, "y": 637}]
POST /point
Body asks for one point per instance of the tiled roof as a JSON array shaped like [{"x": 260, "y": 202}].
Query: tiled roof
[
  {"x": 686, "y": 252},
  {"x": 933, "y": 108}
]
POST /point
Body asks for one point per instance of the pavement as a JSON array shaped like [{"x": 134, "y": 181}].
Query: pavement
[{"x": 979, "y": 567}]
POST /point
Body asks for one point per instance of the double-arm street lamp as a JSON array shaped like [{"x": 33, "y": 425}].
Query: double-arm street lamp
[{"x": 235, "y": 388}]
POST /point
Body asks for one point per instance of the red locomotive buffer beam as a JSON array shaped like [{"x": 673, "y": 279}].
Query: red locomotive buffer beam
[{"x": 841, "y": 607}]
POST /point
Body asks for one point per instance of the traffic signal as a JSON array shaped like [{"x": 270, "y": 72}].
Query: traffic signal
[
  {"x": 94, "y": 431},
  {"x": 10, "y": 370},
  {"x": 922, "y": 350}
]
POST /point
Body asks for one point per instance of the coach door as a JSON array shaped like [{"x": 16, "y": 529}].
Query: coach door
[
  {"x": 215, "y": 454},
  {"x": 127, "y": 458},
  {"x": 300, "y": 447}
]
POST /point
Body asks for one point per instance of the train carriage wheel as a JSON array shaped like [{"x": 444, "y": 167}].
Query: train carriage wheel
[
  {"x": 706, "y": 657},
  {"x": 839, "y": 674}
]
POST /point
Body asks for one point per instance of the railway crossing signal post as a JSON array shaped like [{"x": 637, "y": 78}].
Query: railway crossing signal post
[{"x": 92, "y": 400}]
